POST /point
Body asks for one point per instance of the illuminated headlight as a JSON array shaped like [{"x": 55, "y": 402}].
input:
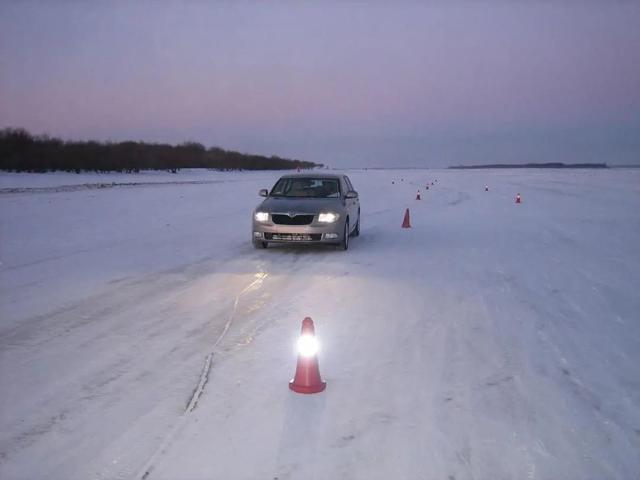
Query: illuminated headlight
[
  {"x": 308, "y": 345},
  {"x": 261, "y": 216},
  {"x": 328, "y": 217}
]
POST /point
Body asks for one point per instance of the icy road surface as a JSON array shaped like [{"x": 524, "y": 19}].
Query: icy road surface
[{"x": 142, "y": 336}]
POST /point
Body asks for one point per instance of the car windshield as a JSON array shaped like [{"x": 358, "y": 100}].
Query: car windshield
[{"x": 306, "y": 187}]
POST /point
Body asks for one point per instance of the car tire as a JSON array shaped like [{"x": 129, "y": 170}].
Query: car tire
[
  {"x": 344, "y": 245},
  {"x": 356, "y": 231},
  {"x": 260, "y": 245}
]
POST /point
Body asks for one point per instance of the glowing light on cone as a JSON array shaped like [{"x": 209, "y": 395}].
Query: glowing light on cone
[{"x": 308, "y": 345}]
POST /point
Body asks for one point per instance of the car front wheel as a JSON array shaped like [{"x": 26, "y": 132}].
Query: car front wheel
[
  {"x": 260, "y": 244},
  {"x": 356, "y": 231},
  {"x": 344, "y": 245}
]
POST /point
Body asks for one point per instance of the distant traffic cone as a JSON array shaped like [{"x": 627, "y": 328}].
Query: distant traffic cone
[
  {"x": 486, "y": 188},
  {"x": 418, "y": 195},
  {"x": 518, "y": 199},
  {"x": 307, "y": 378},
  {"x": 406, "y": 223}
]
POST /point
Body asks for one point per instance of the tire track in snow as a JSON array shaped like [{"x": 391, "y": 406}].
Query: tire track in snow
[
  {"x": 103, "y": 185},
  {"x": 204, "y": 377}
]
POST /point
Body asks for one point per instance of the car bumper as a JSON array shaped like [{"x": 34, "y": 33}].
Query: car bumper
[{"x": 330, "y": 233}]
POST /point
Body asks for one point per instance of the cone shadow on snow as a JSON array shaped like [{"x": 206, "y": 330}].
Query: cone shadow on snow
[{"x": 301, "y": 432}]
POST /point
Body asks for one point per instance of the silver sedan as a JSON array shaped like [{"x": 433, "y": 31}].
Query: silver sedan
[{"x": 308, "y": 208}]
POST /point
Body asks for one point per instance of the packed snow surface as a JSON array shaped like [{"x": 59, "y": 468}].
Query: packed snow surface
[{"x": 141, "y": 334}]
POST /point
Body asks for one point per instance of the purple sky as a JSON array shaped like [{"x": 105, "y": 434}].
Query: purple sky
[{"x": 346, "y": 84}]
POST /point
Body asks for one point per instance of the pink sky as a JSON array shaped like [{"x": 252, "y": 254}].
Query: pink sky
[{"x": 356, "y": 84}]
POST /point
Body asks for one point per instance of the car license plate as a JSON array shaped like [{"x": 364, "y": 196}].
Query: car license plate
[{"x": 293, "y": 237}]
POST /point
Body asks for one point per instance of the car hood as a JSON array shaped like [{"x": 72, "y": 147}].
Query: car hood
[{"x": 300, "y": 205}]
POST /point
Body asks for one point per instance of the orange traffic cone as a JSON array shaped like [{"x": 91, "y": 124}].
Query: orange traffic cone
[
  {"x": 518, "y": 199},
  {"x": 307, "y": 378},
  {"x": 406, "y": 223},
  {"x": 418, "y": 195}
]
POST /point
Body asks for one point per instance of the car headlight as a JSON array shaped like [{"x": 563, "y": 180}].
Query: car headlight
[
  {"x": 328, "y": 217},
  {"x": 261, "y": 217}
]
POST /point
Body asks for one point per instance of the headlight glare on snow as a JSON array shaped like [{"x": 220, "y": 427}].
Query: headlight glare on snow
[
  {"x": 328, "y": 217},
  {"x": 261, "y": 217},
  {"x": 308, "y": 345}
]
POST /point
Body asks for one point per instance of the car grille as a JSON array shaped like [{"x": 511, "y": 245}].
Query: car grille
[
  {"x": 295, "y": 220},
  {"x": 294, "y": 237}
]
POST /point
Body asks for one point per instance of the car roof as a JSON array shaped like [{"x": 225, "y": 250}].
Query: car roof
[{"x": 313, "y": 175}]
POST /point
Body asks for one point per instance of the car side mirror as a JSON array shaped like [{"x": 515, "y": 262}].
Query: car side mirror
[
  {"x": 264, "y": 192},
  {"x": 351, "y": 194}
]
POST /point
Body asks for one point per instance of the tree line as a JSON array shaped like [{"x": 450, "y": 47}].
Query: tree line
[{"x": 21, "y": 151}]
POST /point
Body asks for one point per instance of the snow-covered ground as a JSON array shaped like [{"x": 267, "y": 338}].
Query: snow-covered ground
[{"x": 490, "y": 341}]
